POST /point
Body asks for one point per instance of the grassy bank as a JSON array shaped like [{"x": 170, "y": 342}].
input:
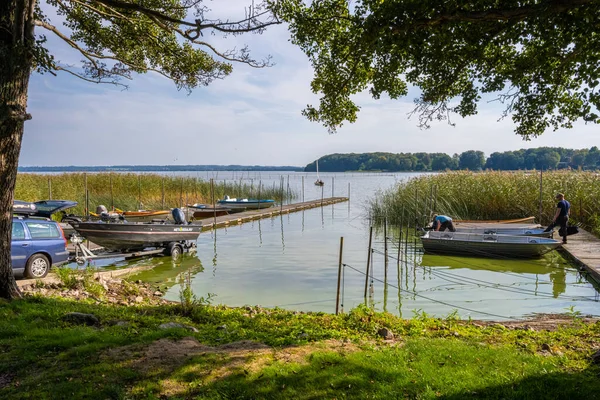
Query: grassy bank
[
  {"x": 129, "y": 191},
  {"x": 254, "y": 353},
  {"x": 492, "y": 195}
]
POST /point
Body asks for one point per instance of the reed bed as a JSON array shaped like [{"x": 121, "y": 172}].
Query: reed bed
[
  {"x": 490, "y": 195},
  {"x": 138, "y": 191}
]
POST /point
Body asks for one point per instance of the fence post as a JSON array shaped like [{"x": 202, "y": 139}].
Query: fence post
[
  {"x": 368, "y": 261},
  {"x": 339, "y": 281}
]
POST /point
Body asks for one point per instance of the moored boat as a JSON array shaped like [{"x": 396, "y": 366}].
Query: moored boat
[
  {"x": 496, "y": 230},
  {"x": 203, "y": 211},
  {"x": 246, "y": 203},
  {"x": 482, "y": 245},
  {"x": 127, "y": 236},
  {"x": 145, "y": 215}
]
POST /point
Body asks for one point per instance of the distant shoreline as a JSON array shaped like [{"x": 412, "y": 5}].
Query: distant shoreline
[{"x": 158, "y": 168}]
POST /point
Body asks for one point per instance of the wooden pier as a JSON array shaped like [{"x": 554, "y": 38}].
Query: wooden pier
[
  {"x": 584, "y": 249},
  {"x": 251, "y": 215}
]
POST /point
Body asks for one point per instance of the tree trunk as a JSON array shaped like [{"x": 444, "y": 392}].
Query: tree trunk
[{"x": 16, "y": 61}]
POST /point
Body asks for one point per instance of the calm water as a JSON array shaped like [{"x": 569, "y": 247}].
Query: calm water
[{"x": 291, "y": 261}]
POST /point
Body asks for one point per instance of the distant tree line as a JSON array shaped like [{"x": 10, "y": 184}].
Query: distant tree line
[
  {"x": 159, "y": 168},
  {"x": 538, "y": 158}
]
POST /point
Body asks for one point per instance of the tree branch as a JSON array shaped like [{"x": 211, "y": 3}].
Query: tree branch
[{"x": 494, "y": 15}]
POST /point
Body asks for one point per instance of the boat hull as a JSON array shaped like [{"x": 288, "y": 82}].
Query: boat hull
[
  {"x": 209, "y": 213},
  {"x": 249, "y": 205},
  {"x": 132, "y": 236},
  {"x": 507, "y": 231},
  {"x": 497, "y": 246}
]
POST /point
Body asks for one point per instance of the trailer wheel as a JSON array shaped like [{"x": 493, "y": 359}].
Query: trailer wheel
[{"x": 174, "y": 250}]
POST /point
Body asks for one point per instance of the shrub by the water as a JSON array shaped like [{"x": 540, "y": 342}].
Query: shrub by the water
[
  {"x": 491, "y": 195},
  {"x": 133, "y": 191}
]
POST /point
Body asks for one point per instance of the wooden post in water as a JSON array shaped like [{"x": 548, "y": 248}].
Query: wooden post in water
[
  {"x": 140, "y": 192},
  {"x": 368, "y": 261},
  {"x": 385, "y": 251},
  {"x": 281, "y": 186},
  {"x": 348, "y": 191},
  {"x": 400, "y": 237},
  {"x": 322, "y": 187},
  {"x": 259, "y": 187},
  {"x": 85, "y": 190},
  {"x": 112, "y": 197},
  {"x": 339, "y": 281},
  {"x": 541, "y": 187},
  {"x": 580, "y": 211},
  {"x": 332, "y": 186},
  {"x": 49, "y": 188},
  {"x": 212, "y": 196},
  {"x": 303, "y": 188},
  {"x": 287, "y": 192}
]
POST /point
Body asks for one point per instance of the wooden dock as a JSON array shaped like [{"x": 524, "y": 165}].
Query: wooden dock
[
  {"x": 584, "y": 249},
  {"x": 245, "y": 216},
  {"x": 251, "y": 215}
]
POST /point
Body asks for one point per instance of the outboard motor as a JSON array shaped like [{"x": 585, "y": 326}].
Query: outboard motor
[
  {"x": 101, "y": 210},
  {"x": 178, "y": 216}
]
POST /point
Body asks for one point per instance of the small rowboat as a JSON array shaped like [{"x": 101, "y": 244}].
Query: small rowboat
[
  {"x": 473, "y": 244},
  {"x": 246, "y": 203},
  {"x": 496, "y": 230},
  {"x": 202, "y": 211},
  {"x": 145, "y": 216}
]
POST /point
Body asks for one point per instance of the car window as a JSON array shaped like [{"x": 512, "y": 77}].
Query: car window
[
  {"x": 18, "y": 232},
  {"x": 40, "y": 230}
]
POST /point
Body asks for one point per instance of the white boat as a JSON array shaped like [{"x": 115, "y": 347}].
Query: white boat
[
  {"x": 540, "y": 232},
  {"x": 475, "y": 244},
  {"x": 319, "y": 181}
]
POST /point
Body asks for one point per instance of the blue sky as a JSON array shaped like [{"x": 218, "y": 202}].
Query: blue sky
[{"x": 251, "y": 117}]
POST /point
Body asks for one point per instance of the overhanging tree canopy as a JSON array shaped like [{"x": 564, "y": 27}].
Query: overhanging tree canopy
[
  {"x": 540, "y": 58},
  {"x": 115, "y": 39}
]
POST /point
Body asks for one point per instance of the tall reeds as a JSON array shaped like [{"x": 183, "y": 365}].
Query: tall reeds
[
  {"x": 134, "y": 191},
  {"x": 491, "y": 195}
]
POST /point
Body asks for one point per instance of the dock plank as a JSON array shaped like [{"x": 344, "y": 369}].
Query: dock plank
[{"x": 584, "y": 249}]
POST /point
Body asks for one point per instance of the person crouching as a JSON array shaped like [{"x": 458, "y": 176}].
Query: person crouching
[{"x": 442, "y": 222}]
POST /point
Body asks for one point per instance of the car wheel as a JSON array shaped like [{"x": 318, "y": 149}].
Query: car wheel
[{"x": 37, "y": 267}]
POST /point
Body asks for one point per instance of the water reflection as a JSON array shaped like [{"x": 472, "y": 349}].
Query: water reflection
[{"x": 167, "y": 271}]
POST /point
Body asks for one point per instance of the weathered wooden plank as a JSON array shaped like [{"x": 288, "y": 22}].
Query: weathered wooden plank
[{"x": 584, "y": 249}]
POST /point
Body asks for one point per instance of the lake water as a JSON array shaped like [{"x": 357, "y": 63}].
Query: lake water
[{"x": 291, "y": 261}]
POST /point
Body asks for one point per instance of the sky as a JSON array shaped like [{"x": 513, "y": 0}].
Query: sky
[{"x": 252, "y": 117}]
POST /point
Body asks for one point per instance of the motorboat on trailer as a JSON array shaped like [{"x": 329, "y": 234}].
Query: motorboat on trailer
[
  {"x": 253, "y": 204},
  {"x": 482, "y": 245},
  {"x": 118, "y": 234}
]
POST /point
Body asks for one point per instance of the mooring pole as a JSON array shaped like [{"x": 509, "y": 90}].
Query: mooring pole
[
  {"x": 332, "y": 186},
  {"x": 303, "y": 189},
  {"x": 541, "y": 188},
  {"x": 181, "y": 194},
  {"x": 400, "y": 237},
  {"x": 368, "y": 261},
  {"x": 281, "y": 205},
  {"x": 139, "y": 192},
  {"x": 49, "y": 188},
  {"x": 339, "y": 281},
  {"x": 163, "y": 193},
  {"x": 348, "y": 191},
  {"x": 322, "y": 187},
  {"x": 212, "y": 195},
  {"x": 85, "y": 188},
  {"x": 385, "y": 250},
  {"x": 112, "y": 198}
]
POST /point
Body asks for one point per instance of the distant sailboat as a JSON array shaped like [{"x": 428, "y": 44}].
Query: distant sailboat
[{"x": 319, "y": 181}]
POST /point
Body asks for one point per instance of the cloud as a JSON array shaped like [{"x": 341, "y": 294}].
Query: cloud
[{"x": 251, "y": 117}]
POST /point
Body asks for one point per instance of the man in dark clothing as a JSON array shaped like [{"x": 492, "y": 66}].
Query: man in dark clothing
[{"x": 561, "y": 216}]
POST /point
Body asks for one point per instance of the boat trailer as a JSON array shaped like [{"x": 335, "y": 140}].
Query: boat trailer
[{"x": 83, "y": 254}]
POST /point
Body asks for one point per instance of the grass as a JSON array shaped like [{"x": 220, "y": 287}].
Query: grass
[
  {"x": 133, "y": 191},
  {"x": 491, "y": 195},
  {"x": 251, "y": 353}
]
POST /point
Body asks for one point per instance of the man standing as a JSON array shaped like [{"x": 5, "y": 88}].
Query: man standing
[
  {"x": 561, "y": 216},
  {"x": 441, "y": 222}
]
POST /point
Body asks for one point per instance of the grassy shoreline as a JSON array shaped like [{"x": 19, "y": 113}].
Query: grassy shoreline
[
  {"x": 250, "y": 352},
  {"x": 133, "y": 191}
]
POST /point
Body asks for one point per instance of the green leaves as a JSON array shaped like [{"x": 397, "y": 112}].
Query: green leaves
[{"x": 538, "y": 58}]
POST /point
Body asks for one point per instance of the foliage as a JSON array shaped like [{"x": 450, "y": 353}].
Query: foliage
[
  {"x": 490, "y": 195},
  {"x": 187, "y": 299},
  {"x": 536, "y": 158},
  {"x": 538, "y": 58},
  {"x": 80, "y": 279},
  {"x": 67, "y": 277},
  {"x": 43, "y": 357},
  {"x": 133, "y": 191}
]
